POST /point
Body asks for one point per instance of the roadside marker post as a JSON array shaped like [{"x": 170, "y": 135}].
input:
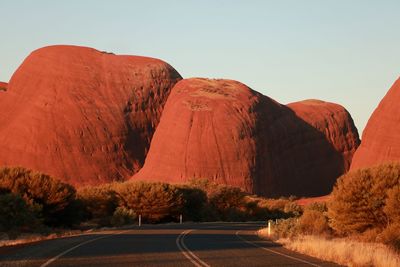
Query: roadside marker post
[
  {"x": 140, "y": 219},
  {"x": 180, "y": 219},
  {"x": 269, "y": 227}
]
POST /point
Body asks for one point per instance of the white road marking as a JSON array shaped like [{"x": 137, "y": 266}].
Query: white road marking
[
  {"x": 187, "y": 253},
  {"x": 47, "y": 263},
  {"x": 275, "y": 252}
]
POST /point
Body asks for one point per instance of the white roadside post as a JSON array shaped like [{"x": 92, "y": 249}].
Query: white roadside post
[
  {"x": 269, "y": 227},
  {"x": 140, "y": 219},
  {"x": 180, "y": 219}
]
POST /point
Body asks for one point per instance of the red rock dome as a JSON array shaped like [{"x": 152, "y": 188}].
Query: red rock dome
[
  {"x": 381, "y": 137},
  {"x": 334, "y": 122},
  {"x": 207, "y": 131},
  {"x": 83, "y": 115},
  {"x": 224, "y": 131}
]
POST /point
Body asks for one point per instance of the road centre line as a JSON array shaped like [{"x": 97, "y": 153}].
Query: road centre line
[{"x": 186, "y": 252}]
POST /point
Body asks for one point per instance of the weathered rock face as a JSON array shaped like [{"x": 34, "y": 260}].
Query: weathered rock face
[
  {"x": 207, "y": 131},
  {"x": 320, "y": 141},
  {"x": 3, "y": 86},
  {"x": 334, "y": 122},
  {"x": 83, "y": 115},
  {"x": 381, "y": 137},
  {"x": 224, "y": 131}
]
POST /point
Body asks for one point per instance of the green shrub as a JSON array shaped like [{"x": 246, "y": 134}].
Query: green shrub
[
  {"x": 52, "y": 200},
  {"x": 391, "y": 236},
  {"x": 123, "y": 216},
  {"x": 228, "y": 203},
  {"x": 392, "y": 205},
  {"x": 100, "y": 202},
  {"x": 208, "y": 187},
  {"x": 15, "y": 214},
  {"x": 314, "y": 220},
  {"x": 285, "y": 228},
  {"x": 254, "y": 211},
  {"x": 194, "y": 203},
  {"x": 359, "y": 198},
  {"x": 280, "y": 208},
  {"x": 156, "y": 202}
]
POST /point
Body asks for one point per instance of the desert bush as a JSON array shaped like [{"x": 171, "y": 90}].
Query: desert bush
[
  {"x": 228, "y": 203},
  {"x": 392, "y": 205},
  {"x": 285, "y": 228},
  {"x": 194, "y": 203},
  {"x": 123, "y": 216},
  {"x": 15, "y": 214},
  {"x": 154, "y": 201},
  {"x": 205, "y": 185},
  {"x": 100, "y": 202},
  {"x": 314, "y": 220},
  {"x": 52, "y": 200},
  {"x": 254, "y": 210},
  {"x": 280, "y": 208},
  {"x": 358, "y": 199},
  {"x": 292, "y": 209},
  {"x": 391, "y": 236}
]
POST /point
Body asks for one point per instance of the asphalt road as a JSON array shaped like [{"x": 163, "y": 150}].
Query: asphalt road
[{"x": 208, "y": 244}]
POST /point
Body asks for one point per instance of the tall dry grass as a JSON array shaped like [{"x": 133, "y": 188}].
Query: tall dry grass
[{"x": 344, "y": 251}]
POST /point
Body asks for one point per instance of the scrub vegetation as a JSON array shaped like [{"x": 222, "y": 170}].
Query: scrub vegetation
[
  {"x": 36, "y": 202},
  {"x": 359, "y": 225}
]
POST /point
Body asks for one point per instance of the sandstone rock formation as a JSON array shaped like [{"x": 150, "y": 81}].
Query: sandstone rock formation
[
  {"x": 207, "y": 130},
  {"x": 3, "y": 86},
  {"x": 381, "y": 137},
  {"x": 83, "y": 115},
  {"x": 224, "y": 131},
  {"x": 334, "y": 122}
]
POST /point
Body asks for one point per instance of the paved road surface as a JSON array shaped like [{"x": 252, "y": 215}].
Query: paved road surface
[{"x": 208, "y": 244}]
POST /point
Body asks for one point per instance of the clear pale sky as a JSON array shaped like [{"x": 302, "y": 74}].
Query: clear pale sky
[{"x": 342, "y": 51}]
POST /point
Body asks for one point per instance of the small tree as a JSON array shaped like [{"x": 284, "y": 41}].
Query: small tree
[
  {"x": 50, "y": 198},
  {"x": 100, "y": 202},
  {"x": 314, "y": 221},
  {"x": 227, "y": 202},
  {"x": 194, "y": 203},
  {"x": 15, "y": 214},
  {"x": 154, "y": 201},
  {"x": 358, "y": 199},
  {"x": 123, "y": 216}
]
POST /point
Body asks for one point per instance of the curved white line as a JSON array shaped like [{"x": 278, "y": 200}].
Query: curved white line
[
  {"x": 47, "y": 263},
  {"x": 275, "y": 252},
  {"x": 187, "y": 253}
]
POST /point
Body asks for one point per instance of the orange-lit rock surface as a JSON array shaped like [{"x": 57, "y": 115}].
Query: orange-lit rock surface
[
  {"x": 3, "y": 86},
  {"x": 82, "y": 115},
  {"x": 223, "y": 131},
  {"x": 334, "y": 122},
  {"x": 381, "y": 137}
]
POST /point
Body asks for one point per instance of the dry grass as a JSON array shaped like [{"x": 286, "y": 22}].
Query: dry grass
[
  {"x": 344, "y": 251},
  {"x": 34, "y": 237}
]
